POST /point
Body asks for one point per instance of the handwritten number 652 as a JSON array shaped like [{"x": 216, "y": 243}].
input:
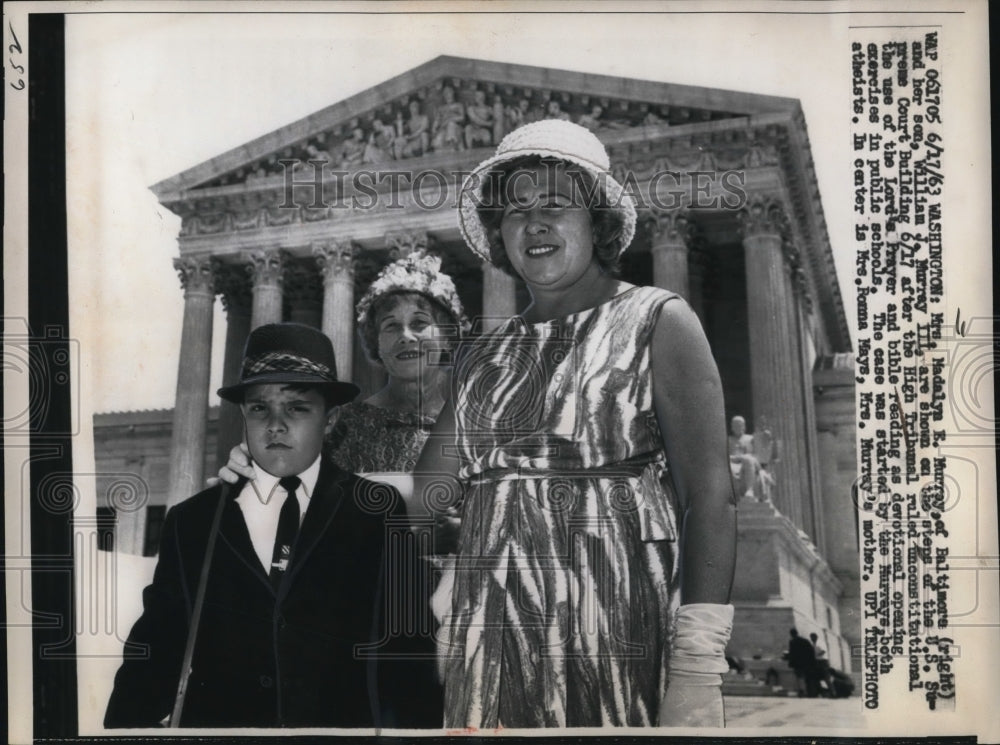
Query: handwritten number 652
[{"x": 18, "y": 84}]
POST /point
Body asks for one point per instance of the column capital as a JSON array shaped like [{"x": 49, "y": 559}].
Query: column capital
[
  {"x": 335, "y": 259},
  {"x": 401, "y": 243},
  {"x": 196, "y": 273},
  {"x": 232, "y": 284},
  {"x": 762, "y": 215},
  {"x": 266, "y": 266},
  {"x": 670, "y": 228}
]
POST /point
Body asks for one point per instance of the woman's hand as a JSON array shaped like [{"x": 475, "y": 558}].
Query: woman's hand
[
  {"x": 238, "y": 465},
  {"x": 446, "y": 528},
  {"x": 697, "y": 662},
  {"x": 691, "y": 704}
]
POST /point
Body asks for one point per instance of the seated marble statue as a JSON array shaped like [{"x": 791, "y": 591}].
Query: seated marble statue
[
  {"x": 749, "y": 457},
  {"x": 499, "y": 119},
  {"x": 379, "y": 146},
  {"x": 319, "y": 154},
  {"x": 554, "y": 111},
  {"x": 415, "y": 138},
  {"x": 479, "y": 130},
  {"x": 592, "y": 121},
  {"x": 353, "y": 150},
  {"x": 449, "y": 120}
]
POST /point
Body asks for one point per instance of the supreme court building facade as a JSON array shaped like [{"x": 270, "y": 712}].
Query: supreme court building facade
[{"x": 296, "y": 224}]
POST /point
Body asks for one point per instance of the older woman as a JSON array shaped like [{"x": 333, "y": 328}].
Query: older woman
[
  {"x": 597, "y": 541},
  {"x": 408, "y": 321}
]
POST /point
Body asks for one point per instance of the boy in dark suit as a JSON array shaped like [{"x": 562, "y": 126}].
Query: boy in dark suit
[{"x": 291, "y": 628}]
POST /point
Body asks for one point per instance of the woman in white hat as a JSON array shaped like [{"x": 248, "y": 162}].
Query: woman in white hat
[{"x": 597, "y": 542}]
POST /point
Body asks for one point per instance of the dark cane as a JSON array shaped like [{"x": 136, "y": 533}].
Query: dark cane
[{"x": 199, "y": 601}]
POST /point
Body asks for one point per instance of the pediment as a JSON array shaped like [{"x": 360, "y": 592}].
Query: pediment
[{"x": 452, "y": 104}]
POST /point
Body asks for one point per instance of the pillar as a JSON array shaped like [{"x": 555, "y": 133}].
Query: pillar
[
  {"x": 266, "y": 268},
  {"x": 234, "y": 286},
  {"x": 812, "y": 497},
  {"x": 335, "y": 260},
  {"x": 775, "y": 354},
  {"x": 187, "y": 439},
  {"x": 671, "y": 233},
  {"x": 697, "y": 264},
  {"x": 499, "y": 297}
]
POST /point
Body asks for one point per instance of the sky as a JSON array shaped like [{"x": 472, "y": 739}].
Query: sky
[{"x": 151, "y": 94}]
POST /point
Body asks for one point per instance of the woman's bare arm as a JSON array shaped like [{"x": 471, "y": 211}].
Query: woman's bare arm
[
  {"x": 687, "y": 394},
  {"x": 436, "y": 488}
]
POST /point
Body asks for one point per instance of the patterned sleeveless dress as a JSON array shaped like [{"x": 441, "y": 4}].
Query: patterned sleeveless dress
[
  {"x": 368, "y": 439},
  {"x": 567, "y": 574}
]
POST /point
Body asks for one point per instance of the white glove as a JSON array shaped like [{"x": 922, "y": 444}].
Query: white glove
[{"x": 697, "y": 661}]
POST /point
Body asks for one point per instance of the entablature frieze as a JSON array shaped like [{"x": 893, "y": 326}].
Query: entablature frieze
[
  {"x": 760, "y": 154},
  {"x": 367, "y": 230},
  {"x": 457, "y": 113}
]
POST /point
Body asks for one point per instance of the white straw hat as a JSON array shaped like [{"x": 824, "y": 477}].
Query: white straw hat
[{"x": 549, "y": 138}]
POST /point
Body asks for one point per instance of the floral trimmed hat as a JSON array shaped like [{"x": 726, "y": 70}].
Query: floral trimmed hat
[
  {"x": 549, "y": 138},
  {"x": 419, "y": 273}
]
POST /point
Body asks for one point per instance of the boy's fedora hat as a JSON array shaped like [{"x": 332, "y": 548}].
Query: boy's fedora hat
[{"x": 290, "y": 353}]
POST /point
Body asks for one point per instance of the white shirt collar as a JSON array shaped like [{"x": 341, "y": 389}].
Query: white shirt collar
[
  {"x": 267, "y": 482},
  {"x": 262, "y": 519}
]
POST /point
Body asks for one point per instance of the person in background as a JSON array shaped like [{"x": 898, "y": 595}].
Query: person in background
[
  {"x": 822, "y": 672},
  {"x": 802, "y": 659}
]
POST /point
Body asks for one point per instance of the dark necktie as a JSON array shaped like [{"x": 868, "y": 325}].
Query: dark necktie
[{"x": 288, "y": 528}]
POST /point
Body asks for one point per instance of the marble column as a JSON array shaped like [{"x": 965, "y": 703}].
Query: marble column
[
  {"x": 266, "y": 268},
  {"x": 671, "y": 234},
  {"x": 815, "y": 524},
  {"x": 698, "y": 259},
  {"x": 187, "y": 439},
  {"x": 499, "y": 297},
  {"x": 774, "y": 352},
  {"x": 304, "y": 293},
  {"x": 335, "y": 260},
  {"x": 234, "y": 288}
]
